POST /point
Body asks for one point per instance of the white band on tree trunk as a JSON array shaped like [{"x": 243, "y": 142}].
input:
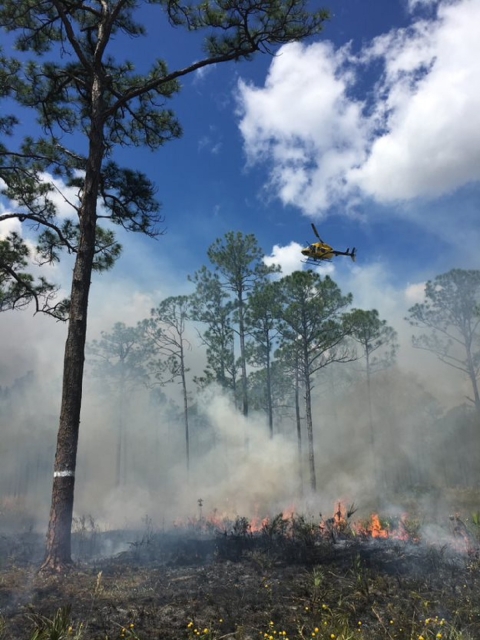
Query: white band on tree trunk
[{"x": 63, "y": 474}]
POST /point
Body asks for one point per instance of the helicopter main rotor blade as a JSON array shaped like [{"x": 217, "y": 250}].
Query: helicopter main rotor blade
[{"x": 316, "y": 232}]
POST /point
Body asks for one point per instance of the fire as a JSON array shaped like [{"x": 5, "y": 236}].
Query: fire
[
  {"x": 291, "y": 524},
  {"x": 398, "y": 529},
  {"x": 377, "y": 530},
  {"x": 338, "y": 526}
]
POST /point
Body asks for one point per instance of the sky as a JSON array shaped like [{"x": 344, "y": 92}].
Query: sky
[{"x": 371, "y": 131}]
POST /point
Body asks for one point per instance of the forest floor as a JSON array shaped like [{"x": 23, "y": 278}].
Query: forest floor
[{"x": 291, "y": 579}]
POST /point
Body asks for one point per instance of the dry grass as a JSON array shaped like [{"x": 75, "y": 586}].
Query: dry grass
[{"x": 268, "y": 586}]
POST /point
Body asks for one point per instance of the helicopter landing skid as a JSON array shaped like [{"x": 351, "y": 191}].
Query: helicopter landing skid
[{"x": 314, "y": 262}]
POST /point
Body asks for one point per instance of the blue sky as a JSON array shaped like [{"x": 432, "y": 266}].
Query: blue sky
[{"x": 371, "y": 130}]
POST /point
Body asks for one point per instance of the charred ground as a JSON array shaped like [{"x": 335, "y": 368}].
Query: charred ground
[{"x": 290, "y": 579}]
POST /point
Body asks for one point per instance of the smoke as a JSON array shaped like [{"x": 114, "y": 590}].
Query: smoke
[{"x": 421, "y": 444}]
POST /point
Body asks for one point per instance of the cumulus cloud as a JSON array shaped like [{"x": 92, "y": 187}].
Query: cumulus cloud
[
  {"x": 288, "y": 257},
  {"x": 304, "y": 124},
  {"x": 432, "y": 108},
  {"x": 415, "y": 132}
]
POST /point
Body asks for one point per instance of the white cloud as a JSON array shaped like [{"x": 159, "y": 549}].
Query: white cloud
[
  {"x": 10, "y": 225},
  {"x": 64, "y": 198},
  {"x": 432, "y": 109},
  {"x": 304, "y": 124},
  {"x": 416, "y": 4},
  {"x": 201, "y": 73},
  {"x": 288, "y": 257},
  {"x": 420, "y": 137}
]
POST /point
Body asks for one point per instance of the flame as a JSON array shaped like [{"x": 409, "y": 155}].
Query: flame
[
  {"x": 338, "y": 525},
  {"x": 377, "y": 530}
]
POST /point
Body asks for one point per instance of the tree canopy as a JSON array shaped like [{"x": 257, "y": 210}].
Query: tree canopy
[{"x": 449, "y": 321}]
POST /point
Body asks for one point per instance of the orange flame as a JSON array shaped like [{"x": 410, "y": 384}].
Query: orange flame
[{"x": 377, "y": 530}]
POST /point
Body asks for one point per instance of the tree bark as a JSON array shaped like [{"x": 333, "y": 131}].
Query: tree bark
[
  {"x": 311, "y": 452},
  {"x": 473, "y": 379},
  {"x": 58, "y": 544},
  {"x": 241, "y": 331},
  {"x": 299, "y": 426},
  {"x": 185, "y": 406},
  {"x": 269, "y": 392}
]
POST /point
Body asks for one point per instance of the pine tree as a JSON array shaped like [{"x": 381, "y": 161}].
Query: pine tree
[{"x": 87, "y": 104}]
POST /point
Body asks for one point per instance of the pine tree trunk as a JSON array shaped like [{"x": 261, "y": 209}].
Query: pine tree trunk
[
  {"x": 59, "y": 527},
  {"x": 311, "y": 452},
  {"x": 243, "y": 359},
  {"x": 299, "y": 428},
  {"x": 185, "y": 409},
  {"x": 269, "y": 393},
  {"x": 58, "y": 543},
  {"x": 472, "y": 373}
]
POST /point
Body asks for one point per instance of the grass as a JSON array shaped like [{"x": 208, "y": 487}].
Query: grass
[{"x": 289, "y": 581}]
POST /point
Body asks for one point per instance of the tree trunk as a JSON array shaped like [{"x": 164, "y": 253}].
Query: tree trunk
[
  {"x": 59, "y": 527},
  {"x": 375, "y": 474},
  {"x": 120, "y": 467},
  {"x": 473, "y": 380},
  {"x": 243, "y": 360},
  {"x": 58, "y": 543},
  {"x": 269, "y": 393},
  {"x": 185, "y": 407},
  {"x": 311, "y": 452},
  {"x": 299, "y": 428}
]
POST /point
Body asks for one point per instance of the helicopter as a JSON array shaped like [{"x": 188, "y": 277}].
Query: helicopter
[{"x": 322, "y": 251}]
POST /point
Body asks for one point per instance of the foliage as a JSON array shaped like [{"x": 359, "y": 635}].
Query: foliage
[
  {"x": 117, "y": 359},
  {"x": 165, "y": 336},
  {"x": 262, "y": 326},
  {"x": 59, "y": 627},
  {"x": 312, "y": 334},
  {"x": 311, "y": 320},
  {"x": 19, "y": 288},
  {"x": 373, "y": 334},
  {"x": 209, "y": 305},
  {"x": 450, "y": 315}
]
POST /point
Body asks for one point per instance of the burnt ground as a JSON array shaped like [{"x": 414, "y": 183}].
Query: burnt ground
[{"x": 277, "y": 583}]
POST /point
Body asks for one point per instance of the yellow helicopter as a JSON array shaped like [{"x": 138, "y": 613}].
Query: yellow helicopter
[{"x": 322, "y": 251}]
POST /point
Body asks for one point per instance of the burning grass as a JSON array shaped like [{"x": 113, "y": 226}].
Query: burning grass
[{"x": 285, "y": 578}]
